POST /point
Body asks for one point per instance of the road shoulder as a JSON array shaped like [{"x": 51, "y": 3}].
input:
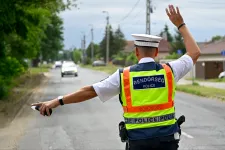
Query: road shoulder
[{"x": 18, "y": 121}]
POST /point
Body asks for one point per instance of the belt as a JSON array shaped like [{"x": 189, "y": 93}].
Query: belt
[{"x": 149, "y": 119}]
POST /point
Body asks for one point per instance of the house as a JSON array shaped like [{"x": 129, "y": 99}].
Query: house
[
  {"x": 164, "y": 48},
  {"x": 211, "y": 62}
]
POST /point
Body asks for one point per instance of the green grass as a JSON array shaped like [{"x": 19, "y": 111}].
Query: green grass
[
  {"x": 108, "y": 69},
  {"x": 46, "y": 65},
  {"x": 217, "y": 80},
  {"x": 202, "y": 91},
  {"x": 208, "y": 80},
  {"x": 38, "y": 70}
]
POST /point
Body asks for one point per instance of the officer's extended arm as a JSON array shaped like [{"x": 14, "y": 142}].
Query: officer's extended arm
[
  {"x": 81, "y": 95},
  {"x": 191, "y": 46}
]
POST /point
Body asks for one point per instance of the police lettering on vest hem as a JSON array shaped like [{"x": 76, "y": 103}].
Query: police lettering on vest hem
[{"x": 149, "y": 119}]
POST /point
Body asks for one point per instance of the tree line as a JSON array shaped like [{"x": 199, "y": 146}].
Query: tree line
[{"x": 117, "y": 44}]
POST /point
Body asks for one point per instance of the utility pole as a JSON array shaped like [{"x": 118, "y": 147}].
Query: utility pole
[
  {"x": 107, "y": 37},
  {"x": 107, "y": 46},
  {"x": 148, "y": 12},
  {"x": 92, "y": 44},
  {"x": 82, "y": 49},
  {"x": 85, "y": 56}
]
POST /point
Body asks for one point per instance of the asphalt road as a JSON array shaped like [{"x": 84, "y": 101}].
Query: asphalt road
[{"x": 93, "y": 125}]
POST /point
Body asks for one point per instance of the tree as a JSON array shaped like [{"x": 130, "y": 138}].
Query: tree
[
  {"x": 116, "y": 44},
  {"x": 96, "y": 50},
  {"x": 166, "y": 30},
  {"x": 119, "y": 41},
  {"x": 77, "y": 55},
  {"x": 216, "y": 38},
  {"x": 52, "y": 43},
  {"x": 68, "y": 55},
  {"x": 178, "y": 43}
]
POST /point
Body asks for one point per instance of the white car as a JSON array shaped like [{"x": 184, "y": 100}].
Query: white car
[
  {"x": 58, "y": 64},
  {"x": 222, "y": 75},
  {"x": 69, "y": 69}
]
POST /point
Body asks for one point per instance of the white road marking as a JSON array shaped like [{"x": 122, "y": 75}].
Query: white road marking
[{"x": 187, "y": 135}]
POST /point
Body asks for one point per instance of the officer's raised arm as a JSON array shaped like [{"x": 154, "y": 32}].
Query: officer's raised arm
[{"x": 191, "y": 46}]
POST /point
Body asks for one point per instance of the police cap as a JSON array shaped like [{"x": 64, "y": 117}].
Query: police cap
[{"x": 146, "y": 40}]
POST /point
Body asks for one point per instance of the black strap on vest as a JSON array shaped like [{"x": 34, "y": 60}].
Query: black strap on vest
[
  {"x": 120, "y": 71},
  {"x": 169, "y": 66}
]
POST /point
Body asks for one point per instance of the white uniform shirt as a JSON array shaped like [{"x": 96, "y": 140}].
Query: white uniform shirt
[{"x": 110, "y": 87}]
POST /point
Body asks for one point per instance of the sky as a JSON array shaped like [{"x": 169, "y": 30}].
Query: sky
[{"x": 204, "y": 18}]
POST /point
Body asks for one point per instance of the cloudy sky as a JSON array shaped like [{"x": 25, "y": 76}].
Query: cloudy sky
[{"x": 204, "y": 18}]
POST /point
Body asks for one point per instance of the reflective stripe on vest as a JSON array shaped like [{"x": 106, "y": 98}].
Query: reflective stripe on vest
[
  {"x": 150, "y": 119},
  {"x": 147, "y": 108}
]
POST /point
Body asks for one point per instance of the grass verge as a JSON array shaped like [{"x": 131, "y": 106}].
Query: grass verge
[
  {"x": 108, "y": 69},
  {"x": 21, "y": 89},
  {"x": 202, "y": 91},
  {"x": 38, "y": 70},
  {"x": 208, "y": 80}
]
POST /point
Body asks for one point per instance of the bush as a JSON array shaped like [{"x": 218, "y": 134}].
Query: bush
[
  {"x": 88, "y": 61},
  {"x": 24, "y": 64},
  {"x": 119, "y": 59},
  {"x": 173, "y": 56},
  {"x": 4, "y": 87},
  {"x": 195, "y": 84},
  {"x": 9, "y": 68},
  {"x": 131, "y": 59}
]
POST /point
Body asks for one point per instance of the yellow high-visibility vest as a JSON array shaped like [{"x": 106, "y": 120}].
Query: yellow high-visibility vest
[{"x": 148, "y": 98}]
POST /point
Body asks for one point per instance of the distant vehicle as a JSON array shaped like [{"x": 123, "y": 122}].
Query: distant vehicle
[
  {"x": 222, "y": 75},
  {"x": 58, "y": 64},
  {"x": 98, "y": 63},
  {"x": 69, "y": 68}
]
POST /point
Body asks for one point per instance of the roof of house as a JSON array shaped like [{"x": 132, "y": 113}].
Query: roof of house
[
  {"x": 129, "y": 46},
  {"x": 212, "y": 47},
  {"x": 164, "y": 46}
]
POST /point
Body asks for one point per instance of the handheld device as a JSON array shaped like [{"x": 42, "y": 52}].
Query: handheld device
[{"x": 37, "y": 108}]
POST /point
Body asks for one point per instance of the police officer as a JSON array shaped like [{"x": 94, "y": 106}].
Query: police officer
[{"x": 146, "y": 91}]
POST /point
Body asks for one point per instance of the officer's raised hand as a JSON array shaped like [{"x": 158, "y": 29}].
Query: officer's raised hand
[
  {"x": 174, "y": 15},
  {"x": 191, "y": 46}
]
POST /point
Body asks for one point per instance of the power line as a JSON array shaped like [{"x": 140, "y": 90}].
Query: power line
[
  {"x": 139, "y": 13},
  {"x": 207, "y": 2},
  {"x": 125, "y": 17}
]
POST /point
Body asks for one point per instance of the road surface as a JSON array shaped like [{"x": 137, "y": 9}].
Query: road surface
[{"x": 93, "y": 125}]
